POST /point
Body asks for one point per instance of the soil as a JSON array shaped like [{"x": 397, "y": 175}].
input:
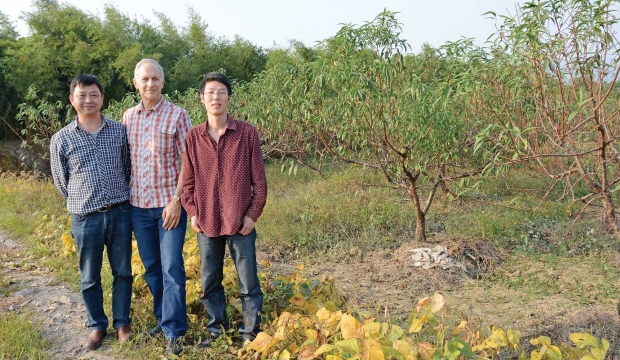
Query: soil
[
  {"x": 382, "y": 282},
  {"x": 57, "y": 308}
]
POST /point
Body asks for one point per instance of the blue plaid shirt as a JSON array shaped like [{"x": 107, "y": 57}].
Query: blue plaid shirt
[{"x": 91, "y": 172}]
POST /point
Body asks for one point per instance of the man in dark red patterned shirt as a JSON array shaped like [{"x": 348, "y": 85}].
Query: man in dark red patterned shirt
[{"x": 224, "y": 193}]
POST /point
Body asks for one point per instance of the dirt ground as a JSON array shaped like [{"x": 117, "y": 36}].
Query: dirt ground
[
  {"x": 383, "y": 282},
  {"x": 59, "y": 309}
]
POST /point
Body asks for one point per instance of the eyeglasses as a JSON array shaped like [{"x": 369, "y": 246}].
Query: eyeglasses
[{"x": 211, "y": 94}]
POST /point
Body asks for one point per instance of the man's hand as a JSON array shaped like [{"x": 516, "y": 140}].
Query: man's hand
[
  {"x": 171, "y": 215},
  {"x": 195, "y": 225},
  {"x": 247, "y": 227}
]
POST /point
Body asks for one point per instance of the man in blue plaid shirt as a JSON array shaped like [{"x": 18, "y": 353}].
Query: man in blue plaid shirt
[{"x": 91, "y": 168}]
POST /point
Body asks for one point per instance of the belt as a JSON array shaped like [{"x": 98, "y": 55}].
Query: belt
[{"x": 110, "y": 207}]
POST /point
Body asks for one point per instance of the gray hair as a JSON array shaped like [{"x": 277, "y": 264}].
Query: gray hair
[{"x": 135, "y": 72}]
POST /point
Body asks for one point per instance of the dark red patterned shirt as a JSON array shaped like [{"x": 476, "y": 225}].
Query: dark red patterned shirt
[{"x": 224, "y": 182}]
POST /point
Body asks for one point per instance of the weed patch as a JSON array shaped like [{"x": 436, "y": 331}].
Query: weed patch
[{"x": 20, "y": 337}]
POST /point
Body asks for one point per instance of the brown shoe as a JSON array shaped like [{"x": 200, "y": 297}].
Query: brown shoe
[
  {"x": 124, "y": 333},
  {"x": 94, "y": 339}
]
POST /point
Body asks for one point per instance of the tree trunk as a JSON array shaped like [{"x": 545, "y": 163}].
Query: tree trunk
[
  {"x": 420, "y": 227},
  {"x": 420, "y": 216},
  {"x": 610, "y": 214}
]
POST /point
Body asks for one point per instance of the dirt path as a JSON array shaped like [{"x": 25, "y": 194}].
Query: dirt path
[{"x": 59, "y": 310}]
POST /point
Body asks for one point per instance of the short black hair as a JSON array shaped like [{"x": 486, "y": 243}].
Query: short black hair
[
  {"x": 215, "y": 76},
  {"x": 85, "y": 80}
]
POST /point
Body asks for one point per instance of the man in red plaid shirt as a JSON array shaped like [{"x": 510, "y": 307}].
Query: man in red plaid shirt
[{"x": 156, "y": 132}]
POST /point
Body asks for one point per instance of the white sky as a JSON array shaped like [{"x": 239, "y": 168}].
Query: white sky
[{"x": 264, "y": 22}]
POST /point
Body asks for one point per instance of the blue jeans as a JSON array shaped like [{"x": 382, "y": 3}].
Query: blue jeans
[
  {"x": 161, "y": 252},
  {"x": 91, "y": 233},
  {"x": 243, "y": 251}
]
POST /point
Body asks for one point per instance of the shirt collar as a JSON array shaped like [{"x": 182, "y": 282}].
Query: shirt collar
[
  {"x": 156, "y": 108},
  {"x": 230, "y": 125}
]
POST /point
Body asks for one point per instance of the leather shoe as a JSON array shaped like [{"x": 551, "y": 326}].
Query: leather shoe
[
  {"x": 174, "y": 346},
  {"x": 209, "y": 340},
  {"x": 154, "y": 331},
  {"x": 124, "y": 333},
  {"x": 94, "y": 339}
]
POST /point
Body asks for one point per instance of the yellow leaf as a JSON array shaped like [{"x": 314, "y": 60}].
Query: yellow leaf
[
  {"x": 284, "y": 355},
  {"x": 434, "y": 303},
  {"x": 425, "y": 351},
  {"x": 324, "y": 348},
  {"x": 553, "y": 353},
  {"x": 261, "y": 343},
  {"x": 351, "y": 328},
  {"x": 323, "y": 315},
  {"x": 497, "y": 339},
  {"x": 462, "y": 327},
  {"x": 300, "y": 267},
  {"x": 479, "y": 347},
  {"x": 583, "y": 339},
  {"x": 305, "y": 322},
  {"x": 403, "y": 347},
  {"x": 68, "y": 244},
  {"x": 280, "y": 333},
  {"x": 371, "y": 350},
  {"x": 333, "y": 357},
  {"x": 311, "y": 334},
  {"x": 514, "y": 338},
  {"x": 307, "y": 352},
  {"x": 297, "y": 300},
  {"x": 372, "y": 330},
  {"x": 422, "y": 303},
  {"x": 284, "y": 318},
  {"x": 601, "y": 351},
  {"x": 541, "y": 340},
  {"x": 417, "y": 324}
]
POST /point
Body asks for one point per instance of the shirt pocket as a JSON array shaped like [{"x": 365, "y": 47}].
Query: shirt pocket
[{"x": 165, "y": 139}]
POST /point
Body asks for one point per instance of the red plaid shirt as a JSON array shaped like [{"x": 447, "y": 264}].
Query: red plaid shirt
[
  {"x": 225, "y": 181},
  {"x": 157, "y": 140}
]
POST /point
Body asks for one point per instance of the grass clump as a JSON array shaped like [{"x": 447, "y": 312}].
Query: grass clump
[{"x": 20, "y": 337}]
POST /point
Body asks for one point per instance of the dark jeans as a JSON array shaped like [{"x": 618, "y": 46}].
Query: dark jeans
[
  {"x": 91, "y": 233},
  {"x": 161, "y": 252},
  {"x": 243, "y": 251}
]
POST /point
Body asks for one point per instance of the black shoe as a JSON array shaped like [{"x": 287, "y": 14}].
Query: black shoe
[
  {"x": 175, "y": 346},
  {"x": 154, "y": 331},
  {"x": 208, "y": 341}
]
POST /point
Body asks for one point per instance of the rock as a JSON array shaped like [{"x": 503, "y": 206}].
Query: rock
[{"x": 25, "y": 292}]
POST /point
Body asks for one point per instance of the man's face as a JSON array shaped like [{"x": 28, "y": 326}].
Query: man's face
[
  {"x": 215, "y": 97},
  {"x": 149, "y": 81},
  {"x": 86, "y": 99}
]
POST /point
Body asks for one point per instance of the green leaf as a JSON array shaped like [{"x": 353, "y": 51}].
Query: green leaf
[{"x": 350, "y": 345}]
